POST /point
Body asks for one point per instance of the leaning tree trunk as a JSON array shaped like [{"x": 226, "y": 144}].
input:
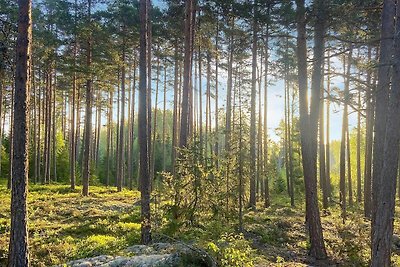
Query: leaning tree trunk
[{"x": 18, "y": 246}]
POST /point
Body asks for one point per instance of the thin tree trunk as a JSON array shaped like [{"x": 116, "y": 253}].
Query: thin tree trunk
[
  {"x": 241, "y": 173},
  {"x": 349, "y": 177},
  {"x": 266, "y": 182},
  {"x": 252, "y": 201},
  {"x": 328, "y": 123},
  {"x": 133, "y": 126},
  {"x": 121, "y": 160},
  {"x": 164, "y": 125},
  {"x": 11, "y": 137},
  {"x": 175, "y": 112},
  {"x": 322, "y": 160},
  {"x": 359, "y": 196},
  {"x": 153, "y": 148},
  {"x": 216, "y": 146},
  {"x": 72, "y": 139},
  {"x": 109, "y": 128},
  {"x": 189, "y": 11},
  {"x": 54, "y": 151},
  {"x": 368, "y": 143},
  {"x": 88, "y": 114},
  {"x": 143, "y": 124}
]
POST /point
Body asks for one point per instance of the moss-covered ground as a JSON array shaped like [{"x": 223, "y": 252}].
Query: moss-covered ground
[{"x": 64, "y": 226}]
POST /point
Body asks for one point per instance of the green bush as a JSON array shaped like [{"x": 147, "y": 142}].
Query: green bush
[{"x": 231, "y": 250}]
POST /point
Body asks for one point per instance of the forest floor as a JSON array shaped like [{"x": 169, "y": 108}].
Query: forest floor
[{"x": 64, "y": 226}]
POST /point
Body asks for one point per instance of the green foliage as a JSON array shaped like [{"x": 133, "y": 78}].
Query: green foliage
[
  {"x": 232, "y": 250},
  {"x": 99, "y": 244}
]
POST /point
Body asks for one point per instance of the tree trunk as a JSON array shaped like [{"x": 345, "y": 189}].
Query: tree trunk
[
  {"x": 381, "y": 101},
  {"x": 132, "y": 126},
  {"x": 109, "y": 129},
  {"x": 216, "y": 145},
  {"x": 143, "y": 125},
  {"x": 309, "y": 122},
  {"x": 349, "y": 177},
  {"x": 88, "y": 115},
  {"x": 343, "y": 142},
  {"x": 359, "y": 196},
  {"x": 164, "y": 125},
  {"x": 189, "y": 11},
  {"x": 121, "y": 158},
  {"x": 175, "y": 112},
  {"x": 72, "y": 154},
  {"x": 266, "y": 182},
  {"x": 54, "y": 152},
  {"x": 384, "y": 206},
  {"x": 368, "y": 143},
  {"x": 322, "y": 160},
  {"x": 252, "y": 201},
  {"x": 18, "y": 246},
  {"x": 153, "y": 148}
]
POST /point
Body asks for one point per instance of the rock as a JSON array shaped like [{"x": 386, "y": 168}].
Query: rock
[
  {"x": 116, "y": 262},
  {"x": 156, "y": 255},
  {"x": 83, "y": 264},
  {"x": 149, "y": 261},
  {"x": 140, "y": 249}
]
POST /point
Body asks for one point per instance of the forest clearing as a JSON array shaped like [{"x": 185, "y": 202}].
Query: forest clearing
[{"x": 155, "y": 133}]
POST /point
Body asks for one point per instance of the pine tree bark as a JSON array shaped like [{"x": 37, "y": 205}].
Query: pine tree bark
[
  {"x": 18, "y": 246},
  {"x": 349, "y": 177},
  {"x": 359, "y": 194},
  {"x": 72, "y": 139},
  {"x": 175, "y": 112},
  {"x": 164, "y": 125},
  {"x": 252, "y": 201},
  {"x": 216, "y": 145},
  {"x": 382, "y": 100},
  {"x": 153, "y": 148},
  {"x": 266, "y": 182},
  {"x": 109, "y": 139},
  {"x": 322, "y": 160},
  {"x": 121, "y": 158},
  {"x": 130, "y": 168},
  {"x": 368, "y": 143},
  {"x": 88, "y": 114},
  {"x": 309, "y": 122},
  {"x": 345, "y": 123},
  {"x": 143, "y": 125},
  {"x": 384, "y": 197},
  {"x": 189, "y": 13}
]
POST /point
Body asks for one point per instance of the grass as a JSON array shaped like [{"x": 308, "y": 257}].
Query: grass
[{"x": 64, "y": 226}]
